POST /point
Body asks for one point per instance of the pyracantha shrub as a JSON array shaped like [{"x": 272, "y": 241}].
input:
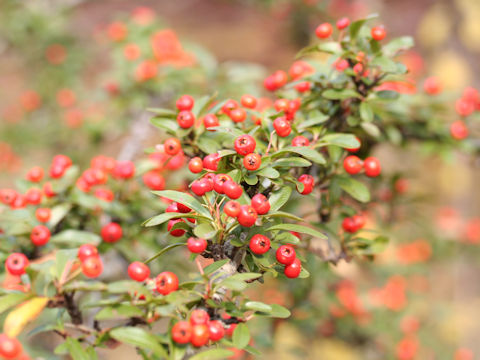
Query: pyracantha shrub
[{"x": 247, "y": 167}]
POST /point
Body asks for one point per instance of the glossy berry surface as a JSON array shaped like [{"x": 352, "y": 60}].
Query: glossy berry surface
[
  {"x": 232, "y": 208},
  {"x": 166, "y": 282},
  {"x": 247, "y": 216},
  {"x": 10, "y": 348},
  {"x": 198, "y": 317},
  {"x": 175, "y": 232},
  {"x": 111, "y": 232},
  {"x": 216, "y": 330},
  {"x": 92, "y": 267},
  {"x": 196, "y": 245},
  {"x": 185, "y": 119},
  {"x": 182, "y": 332},
  {"x": 172, "y": 146},
  {"x": 138, "y": 271},
  {"x": 16, "y": 264},
  {"x": 352, "y": 164},
  {"x": 261, "y": 204},
  {"x": 285, "y": 254},
  {"x": 232, "y": 189},
  {"x": 244, "y": 145},
  {"x": 185, "y": 103},
  {"x": 259, "y": 244},
  {"x": 195, "y": 165},
  {"x": 43, "y": 214},
  {"x": 40, "y": 235},
  {"x": 308, "y": 182},
  {"x": 200, "y": 335},
  {"x": 372, "y": 166},
  {"x": 378, "y": 33},
  {"x": 324, "y": 30},
  {"x": 282, "y": 126},
  {"x": 252, "y": 161},
  {"x": 86, "y": 250},
  {"x": 293, "y": 270}
]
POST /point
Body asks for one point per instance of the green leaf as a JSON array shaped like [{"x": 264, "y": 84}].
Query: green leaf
[
  {"x": 201, "y": 105},
  {"x": 138, "y": 337},
  {"x": 306, "y": 152},
  {"x": 385, "y": 64},
  {"x": 74, "y": 238},
  {"x": 298, "y": 228},
  {"x": 241, "y": 336},
  {"x": 163, "y": 112},
  {"x": 330, "y": 47},
  {"x": 236, "y": 175},
  {"x": 233, "y": 132},
  {"x": 162, "y": 218},
  {"x": 343, "y": 140},
  {"x": 366, "y": 112},
  {"x": 163, "y": 251},
  {"x": 278, "y": 311},
  {"x": 292, "y": 162},
  {"x": 394, "y": 46},
  {"x": 371, "y": 129},
  {"x": 207, "y": 145},
  {"x": 12, "y": 299},
  {"x": 212, "y": 354},
  {"x": 232, "y": 284},
  {"x": 58, "y": 213},
  {"x": 388, "y": 95},
  {"x": 357, "y": 25},
  {"x": 340, "y": 94},
  {"x": 354, "y": 188},
  {"x": 185, "y": 199},
  {"x": 316, "y": 120},
  {"x": 268, "y": 172},
  {"x": 282, "y": 214},
  {"x": 245, "y": 276},
  {"x": 205, "y": 231},
  {"x": 251, "y": 179},
  {"x": 258, "y": 306},
  {"x": 214, "y": 266},
  {"x": 279, "y": 198},
  {"x": 170, "y": 126},
  {"x": 75, "y": 349}
]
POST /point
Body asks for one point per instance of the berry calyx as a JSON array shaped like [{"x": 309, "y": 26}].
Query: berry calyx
[
  {"x": 247, "y": 216},
  {"x": 244, "y": 145},
  {"x": 92, "y": 266},
  {"x": 172, "y": 146},
  {"x": 324, "y": 30},
  {"x": 111, "y": 232},
  {"x": 259, "y": 244},
  {"x": 372, "y": 166},
  {"x": 16, "y": 264},
  {"x": 252, "y": 161},
  {"x": 352, "y": 164},
  {"x": 219, "y": 182},
  {"x": 293, "y": 270},
  {"x": 166, "y": 282},
  {"x": 85, "y": 251},
  {"x": 196, "y": 245},
  {"x": 260, "y": 204},
  {"x": 285, "y": 254},
  {"x": 138, "y": 271},
  {"x": 195, "y": 165},
  {"x": 182, "y": 332},
  {"x": 40, "y": 235}
]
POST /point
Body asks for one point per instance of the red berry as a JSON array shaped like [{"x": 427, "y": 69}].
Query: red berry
[
  {"x": 238, "y": 115},
  {"x": 111, "y": 232},
  {"x": 92, "y": 267},
  {"x": 104, "y": 194},
  {"x": 247, "y": 216},
  {"x": 359, "y": 221},
  {"x": 285, "y": 254},
  {"x": 138, "y": 271},
  {"x": 232, "y": 189},
  {"x": 33, "y": 196},
  {"x": 352, "y": 164},
  {"x": 172, "y": 146},
  {"x": 378, "y": 33},
  {"x": 252, "y": 161},
  {"x": 259, "y": 244},
  {"x": 124, "y": 170},
  {"x": 219, "y": 181},
  {"x": 300, "y": 141},
  {"x": 281, "y": 105},
  {"x": 10, "y": 348},
  {"x": 182, "y": 332},
  {"x": 324, "y": 30},
  {"x": 196, "y": 246},
  {"x": 183, "y": 208},
  {"x": 185, "y": 119},
  {"x": 200, "y": 335},
  {"x": 432, "y": 86},
  {"x": 210, "y": 120},
  {"x": 260, "y": 204},
  {"x": 35, "y": 174},
  {"x": 229, "y": 106},
  {"x": 16, "y": 263},
  {"x": 62, "y": 160},
  {"x": 282, "y": 126},
  {"x": 293, "y": 270},
  {"x": 57, "y": 171},
  {"x": 308, "y": 181},
  {"x": 40, "y": 235},
  {"x": 166, "y": 282},
  {"x": 343, "y": 23},
  {"x": 232, "y": 208},
  {"x": 20, "y": 202},
  {"x": 87, "y": 250},
  {"x": 154, "y": 180},
  {"x": 248, "y": 101},
  {"x": 8, "y": 196},
  {"x": 200, "y": 187},
  {"x": 185, "y": 102},
  {"x": 216, "y": 330},
  {"x": 211, "y": 161},
  {"x": 280, "y": 78},
  {"x": 372, "y": 166},
  {"x": 199, "y": 316},
  {"x": 348, "y": 225},
  {"x": 244, "y": 145},
  {"x": 175, "y": 232},
  {"x": 458, "y": 130},
  {"x": 195, "y": 165},
  {"x": 303, "y": 86}
]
